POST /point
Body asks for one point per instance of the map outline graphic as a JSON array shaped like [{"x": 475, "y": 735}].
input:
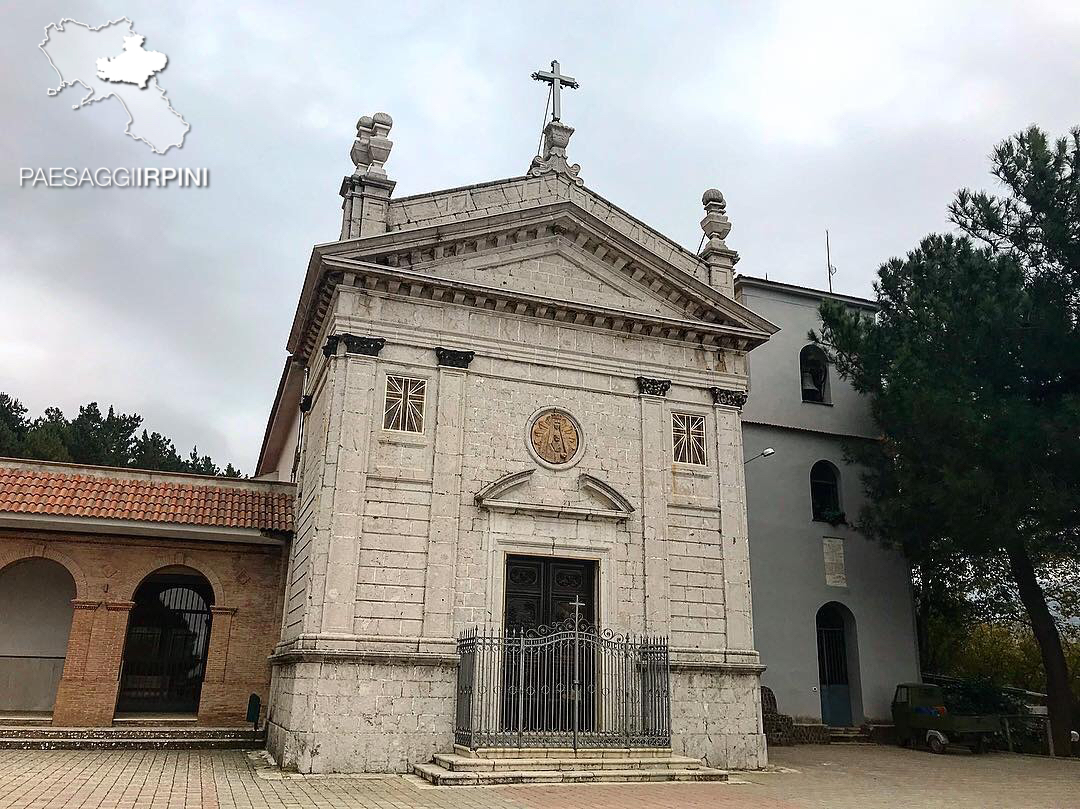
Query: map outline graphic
[{"x": 93, "y": 95}]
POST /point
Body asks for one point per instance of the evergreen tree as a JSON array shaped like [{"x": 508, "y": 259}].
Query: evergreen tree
[
  {"x": 109, "y": 439},
  {"x": 13, "y": 425},
  {"x": 972, "y": 367}
]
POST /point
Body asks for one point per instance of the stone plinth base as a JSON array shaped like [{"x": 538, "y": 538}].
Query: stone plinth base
[
  {"x": 360, "y": 715},
  {"x": 716, "y": 715}
]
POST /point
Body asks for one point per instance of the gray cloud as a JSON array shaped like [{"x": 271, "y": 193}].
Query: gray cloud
[{"x": 176, "y": 303}]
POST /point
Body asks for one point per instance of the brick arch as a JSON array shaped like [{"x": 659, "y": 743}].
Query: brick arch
[
  {"x": 10, "y": 557},
  {"x": 203, "y": 570}
]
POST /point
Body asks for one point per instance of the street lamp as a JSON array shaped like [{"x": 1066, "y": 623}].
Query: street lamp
[{"x": 765, "y": 453}]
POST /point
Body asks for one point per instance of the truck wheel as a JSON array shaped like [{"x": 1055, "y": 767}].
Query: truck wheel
[{"x": 936, "y": 745}]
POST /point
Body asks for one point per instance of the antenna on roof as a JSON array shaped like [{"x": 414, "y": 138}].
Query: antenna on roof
[{"x": 828, "y": 261}]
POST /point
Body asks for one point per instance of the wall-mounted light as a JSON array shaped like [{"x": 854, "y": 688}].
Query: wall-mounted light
[{"x": 765, "y": 453}]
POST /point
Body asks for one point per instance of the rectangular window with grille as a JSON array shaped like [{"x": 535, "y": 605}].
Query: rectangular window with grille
[
  {"x": 404, "y": 406},
  {"x": 688, "y": 438}
]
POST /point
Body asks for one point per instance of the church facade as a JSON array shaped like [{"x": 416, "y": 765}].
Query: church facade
[{"x": 507, "y": 405}]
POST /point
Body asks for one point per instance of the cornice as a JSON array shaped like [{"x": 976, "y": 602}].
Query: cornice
[{"x": 379, "y": 279}]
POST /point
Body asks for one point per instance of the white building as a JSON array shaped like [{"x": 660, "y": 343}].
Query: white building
[{"x": 833, "y": 615}]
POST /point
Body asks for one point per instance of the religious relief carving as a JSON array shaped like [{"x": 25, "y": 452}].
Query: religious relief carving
[
  {"x": 554, "y": 437},
  {"x": 569, "y": 579},
  {"x": 454, "y": 359},
  {"x": 653, "y": 387},
  {"x": 522, "y": 575},
  {"x": 728, "y": 398}
]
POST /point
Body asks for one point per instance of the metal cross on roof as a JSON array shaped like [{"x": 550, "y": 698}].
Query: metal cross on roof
[{"x": 557, "y": 80}]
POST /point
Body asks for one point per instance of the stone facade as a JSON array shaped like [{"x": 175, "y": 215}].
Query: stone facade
[{"x": 544, "y": 296}]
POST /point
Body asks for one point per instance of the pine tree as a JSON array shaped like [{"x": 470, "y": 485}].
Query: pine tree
[{"x": 972, "y": 366}]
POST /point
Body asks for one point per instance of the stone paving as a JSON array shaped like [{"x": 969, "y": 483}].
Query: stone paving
[{"x": 838, "y": 777}]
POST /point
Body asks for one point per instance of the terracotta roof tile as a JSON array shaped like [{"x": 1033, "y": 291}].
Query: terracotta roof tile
[{"x": 30, "y": 491}]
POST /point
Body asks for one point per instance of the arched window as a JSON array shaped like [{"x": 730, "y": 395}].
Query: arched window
[
  {"x": 814, "y": 375},
  {"x": 825, "y": 493}
]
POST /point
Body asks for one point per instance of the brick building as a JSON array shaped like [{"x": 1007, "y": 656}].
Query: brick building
[{"x": 130, "y": 594}]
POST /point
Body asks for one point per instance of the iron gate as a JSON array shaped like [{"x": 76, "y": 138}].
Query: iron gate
[
  {"x": 165, "y": 652},
  {"x": 568, "y": 684}
]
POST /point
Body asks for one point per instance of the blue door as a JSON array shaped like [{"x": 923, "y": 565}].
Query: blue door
[{"x": 833, "y": 668}]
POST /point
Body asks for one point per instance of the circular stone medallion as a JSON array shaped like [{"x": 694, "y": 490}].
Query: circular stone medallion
[{"x": 554, "y": 437}]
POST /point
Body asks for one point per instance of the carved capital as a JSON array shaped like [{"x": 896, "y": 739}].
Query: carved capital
[
  {"x": 452, "y": 358},
  {"x": 368, "y": 346},
  {"x": 728, "y": 398},
  {"x": 653, "y": 387}
]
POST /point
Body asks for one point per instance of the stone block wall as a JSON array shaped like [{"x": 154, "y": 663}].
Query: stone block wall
[
  {"x": 360, "y": 716},
  {"x": 716, "y": 714}
]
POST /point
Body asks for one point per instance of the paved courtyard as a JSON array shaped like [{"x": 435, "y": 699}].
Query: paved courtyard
[{"x": 838, "y": 777}]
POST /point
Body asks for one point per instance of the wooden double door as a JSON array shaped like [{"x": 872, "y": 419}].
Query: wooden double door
[
  {"x": 549, "y": 693},
  {"x": 542, "y": 590}
]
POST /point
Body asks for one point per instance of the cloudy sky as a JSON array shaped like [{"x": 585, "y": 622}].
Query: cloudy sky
[{"x": 861, "y": 118}]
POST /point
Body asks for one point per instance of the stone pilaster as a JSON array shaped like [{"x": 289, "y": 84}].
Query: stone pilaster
[
  {"x": 365, "y": 201},
  {"x": 445, "y": 499},
  {"x": 654, "y": 497},
  {"x": 350, "y": 384},
  {"x": 733, "y": 531}
]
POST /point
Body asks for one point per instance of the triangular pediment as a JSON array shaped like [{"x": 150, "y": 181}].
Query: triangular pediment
[
  {"x": 552, "y": 260},
  {"x": 461, "y": 250},
  {"x": 558, "y": 269}
]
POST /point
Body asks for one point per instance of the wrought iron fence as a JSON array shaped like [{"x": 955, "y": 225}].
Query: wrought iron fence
[{"x": 564, "y": 685}]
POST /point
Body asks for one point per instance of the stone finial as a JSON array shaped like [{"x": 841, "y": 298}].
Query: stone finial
[
  {"x": 371, "y": 149},
  {"x": 715, "y": 224},
  {"x": 366, "y": 192},
  {"x": 720, "y": 258},
  {"x": 553, "y": 158}
]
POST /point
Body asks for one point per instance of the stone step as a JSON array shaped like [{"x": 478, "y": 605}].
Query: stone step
[
  {"x": 113, "y": 743},
  {"x": 460, "y": 763},
  {"x": 129, "y": 732},
  {"x": 440, "y": 776},
  {"x": 562, "y": 752},
  {"x": 840, "y": 735},
  {"x": 113, "y": 738}
]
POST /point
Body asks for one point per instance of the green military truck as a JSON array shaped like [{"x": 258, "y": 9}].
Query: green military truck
[{"x": 920, "y": 715}]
